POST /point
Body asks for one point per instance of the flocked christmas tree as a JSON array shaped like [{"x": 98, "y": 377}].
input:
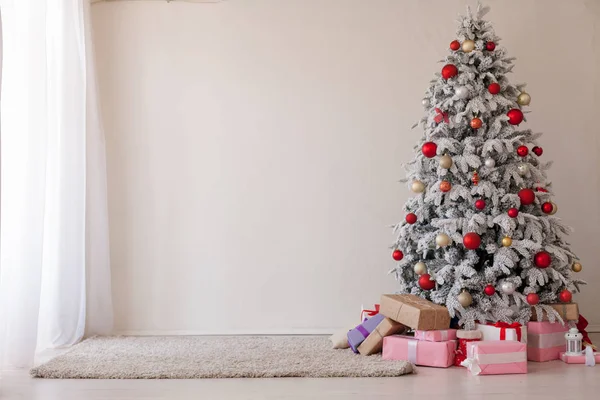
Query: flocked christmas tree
[{"x": 480, "y": 234}]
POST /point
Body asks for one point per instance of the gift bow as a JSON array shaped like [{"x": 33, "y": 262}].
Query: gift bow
[
  {"x": 370, "y": 313},
  {"x": 504, "y": 325},
  {"x": 472, "y": 365},
  {"x": 441, "y": 116}
]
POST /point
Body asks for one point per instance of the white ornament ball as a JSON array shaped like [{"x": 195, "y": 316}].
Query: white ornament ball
[
  {"x": 417, "y": 187},
  {"x": 462, "y": 92},
  {"x": 442, "y": 240},
  {"x": 490, "y": 162},
  {"x": 445, "y": 161},
  {"x": 465, "y": 299},
  {"x": 426, "y": 103},
  {"x": 420, "y": 268},
  {"x": 507, "y": 287},
  {"x": 523, "y": 169}
]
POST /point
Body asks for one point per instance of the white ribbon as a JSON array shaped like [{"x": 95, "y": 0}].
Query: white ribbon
[
  {"x": 546, "y": 340},
  {"x": 412, "y": 351},
  {"x": 444, "y": 336},
  {"x": 590, "y": 359},
  {"x": 474, "y": 363}
]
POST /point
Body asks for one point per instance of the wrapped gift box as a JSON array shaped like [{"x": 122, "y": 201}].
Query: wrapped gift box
[
  {"x": 578, "y": 359},
  {"x": 567, "y": 311},
  {"x": 545, "y": 340},
  {"x": 436, "y": 336},
  {"x": 503, "y": 331},
  {"x": 428, "y": 354},
  {"x": 414, "y": 312},
  {"x": 496, "y": 357},
  {"x": 357, "y": 335},
  {"x": 374, "y": 342}
]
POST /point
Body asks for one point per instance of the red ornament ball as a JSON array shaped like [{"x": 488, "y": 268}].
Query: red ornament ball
[
  {"x": 445, "y": 186},
  {"x": 425, "y": 282},
  {"x": 513, "y": 212},
  {"x": 542, "y": 259},
  {"x": 547, "y": 207},
  {"x": 522, "y": 151},
  {"x": 533, "y": 299},
  {"x": 449, "y": 71},
  {"x": 454, "y": 45},
  {"x": 565, "y": 296},
  {"x": 538, "y": 151},
  {"x": 490, "y": 46},
  {"x": 476, "y": 123},
  {"x": 471, "y": 240},
  {"x": 494, "y": 88},
  {"x": 527, "y": 196},
  {"x": 411, "y": 218},
  {"x": 429, "y": 149},
  {"x": 515, "y": 116},
  {"x": 480, "y": 204},
  {"x": 397, "y": 255},
  {"x": 489, "y": 290},
  {"x": 540, "y": 189}
]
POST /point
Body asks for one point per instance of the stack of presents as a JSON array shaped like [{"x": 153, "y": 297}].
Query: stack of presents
[{"x": 408, "y": 327}]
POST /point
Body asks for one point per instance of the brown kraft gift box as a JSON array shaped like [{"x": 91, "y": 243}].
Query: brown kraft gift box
[
  {"x": 567, "y": 311},
  {"x": 374, "y": 342},
  {"x": 414, "y": 312}
]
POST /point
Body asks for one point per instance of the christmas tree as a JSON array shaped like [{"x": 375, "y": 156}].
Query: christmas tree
[{"x": 480, "y": 235}]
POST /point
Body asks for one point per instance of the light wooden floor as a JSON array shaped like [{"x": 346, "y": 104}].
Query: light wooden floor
[{"x": 545, "y": 381}]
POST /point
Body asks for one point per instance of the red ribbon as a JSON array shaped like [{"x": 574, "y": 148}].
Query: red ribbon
[
  {"x": 441, "y": 116},
  {"x": 370, "y": 313},
  {"x": 582, "y": 323},
  {"x": 504, "y": 326}
]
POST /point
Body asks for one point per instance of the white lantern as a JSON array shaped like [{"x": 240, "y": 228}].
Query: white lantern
[{"x": 574, "y": 346}]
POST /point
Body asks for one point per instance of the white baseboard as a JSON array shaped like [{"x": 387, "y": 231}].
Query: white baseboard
[
  {"x": 268, "y": 332},
  {"x": 593, "y": 328}
]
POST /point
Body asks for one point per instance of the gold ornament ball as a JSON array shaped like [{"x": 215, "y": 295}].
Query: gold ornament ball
[
  {"x": 445, "y": 161},
  {"x": 465, "y": 299},
  {"x": 576, "y": 267},
  {"x": 554, "y": 209},
  {"x": 506, "y": 241},
  {"x": 468, "y": 46},
  {"x": 524, "y": 99},
  {"x": 442, "y": 240},
  {"x": 420, "y": 268},
  {"x": 417, "y": 187}
]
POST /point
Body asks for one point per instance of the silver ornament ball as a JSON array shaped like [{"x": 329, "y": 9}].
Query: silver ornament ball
[
  {"x": 507, "y": 287},
  {"x": 462, "y": 92},
  {"x": 420, "y": 268},
  {"x": 442, "y": 240},
  {"x": 445, "y": 161},
  {"x": 490, "y": 162},
  {"x": 523, "y": 169},
  {"x": 426, "y": 102}
]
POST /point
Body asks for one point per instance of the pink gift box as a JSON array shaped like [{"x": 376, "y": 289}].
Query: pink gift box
[
  {"x": 428, "y": 354},
  {"x": 496, "y": 357},
  {"x": 545, "y": 341},
  {"x": 436, "y": 336},
  {"x": 577, "y": 359}
]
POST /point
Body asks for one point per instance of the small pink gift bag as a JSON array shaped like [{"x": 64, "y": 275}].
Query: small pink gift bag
[
  {"x": 496, "y": 357},
  {"x": 545, "y": 340},
  {"x": 442, "y": 335},
  {"x": 428, "y": 354}
]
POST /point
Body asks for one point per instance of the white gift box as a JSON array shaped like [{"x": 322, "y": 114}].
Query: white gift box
[{"x": 503, "y": 331}]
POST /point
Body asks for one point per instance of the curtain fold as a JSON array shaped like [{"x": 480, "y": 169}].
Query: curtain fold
[{"x": 54, "y": 255}]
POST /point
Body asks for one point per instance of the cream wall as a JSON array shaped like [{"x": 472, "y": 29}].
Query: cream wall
[{"x": 254, "y": 148}]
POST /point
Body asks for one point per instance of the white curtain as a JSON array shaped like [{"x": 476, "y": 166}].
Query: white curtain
[{"x": 54, "y": 253}]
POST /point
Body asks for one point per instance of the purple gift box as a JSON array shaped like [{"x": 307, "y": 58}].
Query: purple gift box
[{"x": 357, "y": 335}]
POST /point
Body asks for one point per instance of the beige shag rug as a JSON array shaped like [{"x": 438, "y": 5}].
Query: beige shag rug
[{"x": 189, "y": 357}]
